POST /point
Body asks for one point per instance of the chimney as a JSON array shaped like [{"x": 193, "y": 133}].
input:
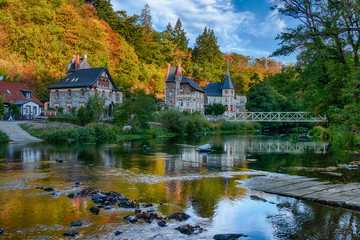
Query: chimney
[{"x": 77, "y": 59}]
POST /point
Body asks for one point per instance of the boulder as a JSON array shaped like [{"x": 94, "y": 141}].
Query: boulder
[
  {"x": 77, "y": 184},
  {"x": 71, "y": 195},
  {"x": 77, "y": 223},
  {"x": 87, "y": 192},
  {"x": 1, "y": 231},
  {"x": 179, "y": 216},
  {"x": 117, "y": 233},
  {"x": 188, "y": 229},
  {"x": 128, "y": 204},
  {"x": 131, "y": 219},
  {"x": 58, "y": 160},
  {"x": 230, "y": 236},
  {"x": 256, "y": 198},
  {"x": 71, "y": 234},
  {"x": 161, "y": 223},
  {"x": 204, "y": 148},
  {"x": 148, "y": 216},
  {"x": 94, "y": 210}
]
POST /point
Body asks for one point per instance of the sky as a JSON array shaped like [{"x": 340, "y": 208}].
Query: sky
[{"x": 247, "y": 27}]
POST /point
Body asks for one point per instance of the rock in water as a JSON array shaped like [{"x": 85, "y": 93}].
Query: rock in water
[
  {"x": 117, "y": 233},
  {"x": 188, "y": 229},
  {"x": 204, "y": 148},
  {"x": 131, "y": 219},
  {"x": 59, "y": 160},
  {"x": 71, "y": 234},
  {"x": 94, "y": 210},
  {"x": 161, "y": 223},
  {"x": 230, "y": 236},
  {"x": 179, "y": 216},
  {"x": 77, "y": 223},
  {"x": 256, "y": 198},
  {"x": 1, "y": 231}
]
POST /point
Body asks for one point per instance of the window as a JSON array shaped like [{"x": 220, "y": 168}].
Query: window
[
  {"x": 28, "y": 95},
  {"x": 103, "y": 94},
  {"x": 170, "y": 103},
  {"x": 118, "y": 97},
  {"x": 170, "y": 93},
  {"x": 7, "y": 90},
  {"x": 82, "y": 93},
  {"x": 187, "y": 103},
  {"x": 34, "y": 110},
  {"x": 226, "y": 91},
  {"x": 69, "y": 93},
  {"x": 57, "y": 94},
  {"x": 110, "y": 95}
]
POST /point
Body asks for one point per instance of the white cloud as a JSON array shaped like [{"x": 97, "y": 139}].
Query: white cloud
[{"x": 235, "y": 29}]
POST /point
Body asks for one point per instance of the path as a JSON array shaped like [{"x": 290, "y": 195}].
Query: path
[
  {"x": 16, "y": 133},
  {"x": 341, "y": 195}
]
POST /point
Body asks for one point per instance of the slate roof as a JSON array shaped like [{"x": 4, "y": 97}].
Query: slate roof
[
  {"x": 192, "y": 83},
  {"x": 213, "y": 89},
  {"x": 227, "y": 82},
  {"x": 172, "y": 74},
  {"x": 82, "y": 78},
  {"x": 12, "y": 93},
  {"x": 83, "y": 64}
]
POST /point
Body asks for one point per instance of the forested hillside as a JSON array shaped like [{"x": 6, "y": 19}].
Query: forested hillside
[{"x": 39, "y": 37}]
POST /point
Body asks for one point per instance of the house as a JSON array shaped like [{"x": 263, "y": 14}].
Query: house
[
  {"x": 181, "y": 92},
  {"x": 81, "y": 82},
  {"x": 224, "y": 93},
  {"x": 22, "y": 96}
]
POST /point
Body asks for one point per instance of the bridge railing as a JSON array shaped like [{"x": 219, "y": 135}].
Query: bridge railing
[{"x": 271, "y": 117}]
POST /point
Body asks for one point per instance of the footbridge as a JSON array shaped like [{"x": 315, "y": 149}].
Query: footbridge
[{"x": 271, "y": 117}]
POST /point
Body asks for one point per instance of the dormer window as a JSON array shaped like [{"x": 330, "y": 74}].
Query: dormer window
[{"x": 26, "y": 94}]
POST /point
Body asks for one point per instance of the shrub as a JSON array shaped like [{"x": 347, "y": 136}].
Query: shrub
[
  {"x": 215, "y": 109},
  {"x": 173, "y": 121},
  {"x": 4, "y": 138}
]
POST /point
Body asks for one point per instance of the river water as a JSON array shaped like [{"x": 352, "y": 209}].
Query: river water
[{"x": 174, "y": 177}]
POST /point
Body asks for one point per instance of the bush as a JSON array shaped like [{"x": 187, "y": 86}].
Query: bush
[
  {"x": 173, "y": 121},
  {"x": 215, "y": 109},
  {"x": 320, "y": 133},
  {"x": 4, "y": 138},
  {"x": 156, "y": 132},
  {"x": 68, "y": 118}
]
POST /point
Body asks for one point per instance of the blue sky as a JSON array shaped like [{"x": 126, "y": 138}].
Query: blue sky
[{"x": 247, "y": 27}]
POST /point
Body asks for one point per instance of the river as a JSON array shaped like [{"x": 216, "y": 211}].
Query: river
[{"x": 173, "y": 177}]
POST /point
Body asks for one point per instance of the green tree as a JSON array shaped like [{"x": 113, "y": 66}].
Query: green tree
[
  {"x": 215, "y": 109},
  {"x": 179, "y": 37},
  {"x": 2, "y": 105},
  {"x": 207, "y": 57},
  {"x": 15, "y": 109},
  {"x": 92, "y": 111},
  {"x": 146, "y": 23},
  {"x": 137, "y": 110}
]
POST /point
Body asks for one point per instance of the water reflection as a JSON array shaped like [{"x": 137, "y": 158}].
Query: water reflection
[{"x": 172, "y": 175}]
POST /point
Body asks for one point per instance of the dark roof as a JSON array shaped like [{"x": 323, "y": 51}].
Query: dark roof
[
  {"x": 82, "y": 78},
  {"x": 13, "y": 93},
  {"x": 213, "y": 89},
  {"x": 192, "y": 83},
  {"x": 172, "y": 74},
  {"x": 227, "y": 82}
]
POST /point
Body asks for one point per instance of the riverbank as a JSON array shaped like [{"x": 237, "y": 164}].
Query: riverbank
[{"x": 96, "y": 133}]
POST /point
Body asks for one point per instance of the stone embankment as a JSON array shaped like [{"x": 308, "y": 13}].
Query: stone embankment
[
  {"x": 16, "y": 133},
  {"x": 341, "y": 195}
]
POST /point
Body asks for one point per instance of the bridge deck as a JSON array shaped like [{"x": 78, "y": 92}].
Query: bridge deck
[{"x": 271, "y": 117}]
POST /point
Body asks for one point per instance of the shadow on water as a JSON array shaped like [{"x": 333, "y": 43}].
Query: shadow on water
[{"x": 175, "y": 177}]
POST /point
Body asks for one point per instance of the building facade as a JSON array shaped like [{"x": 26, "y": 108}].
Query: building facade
[
  {"x": 224, "y": 93},
  {"x": 81, "y": 82},
  {"x": 22, "y": 96},
  {"x": 181, "y": 92}
]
